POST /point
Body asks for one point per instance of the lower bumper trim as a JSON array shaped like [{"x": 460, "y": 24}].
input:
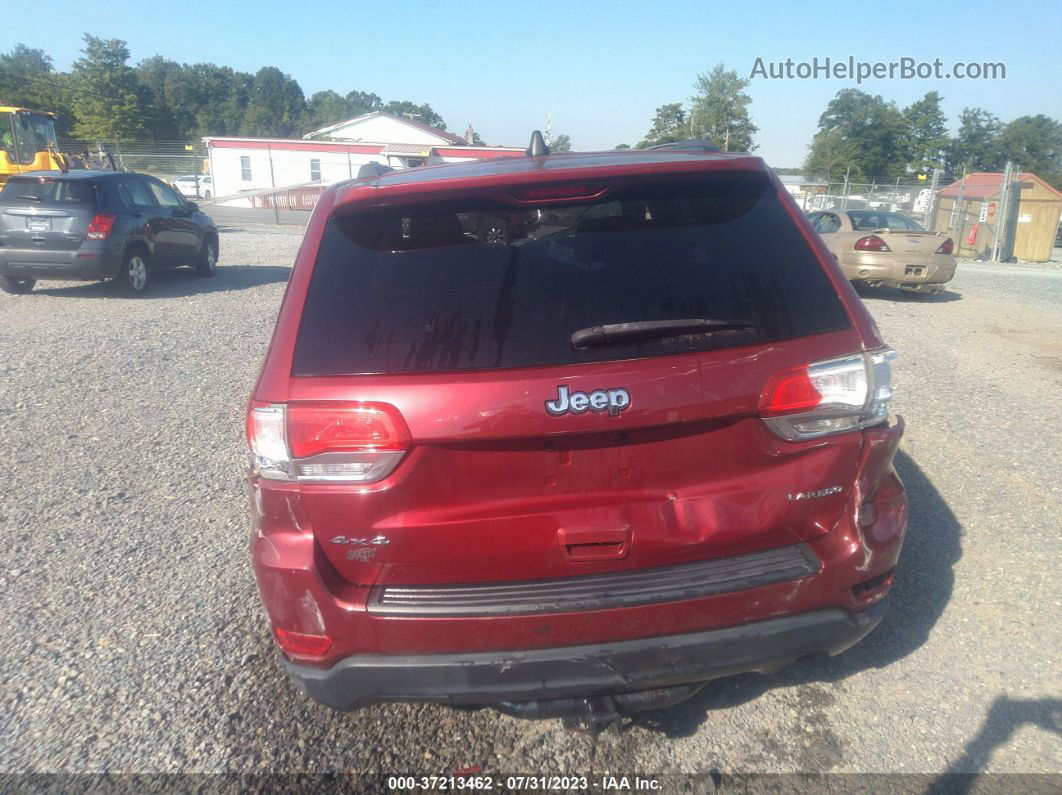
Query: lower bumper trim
[
  {"x": 915, "y": 287},
  {"x": 75, "y": 264},
  {"x": 593, "y": 669},
  {"x": 600, "y": 591}
]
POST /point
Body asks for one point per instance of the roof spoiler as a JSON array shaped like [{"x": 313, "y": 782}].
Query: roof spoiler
[
  {"x": 690, "y": 145},
  {"x": 373, "y": 170}
]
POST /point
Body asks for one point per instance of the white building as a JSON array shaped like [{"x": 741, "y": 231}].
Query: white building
[{"x": 334, "y": 153}]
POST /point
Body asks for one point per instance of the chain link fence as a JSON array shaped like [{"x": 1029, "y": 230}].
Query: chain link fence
[
  {"x": 165, "y": 160},
  {"x": 986, "y": 215},
  {"x": 982, "y": 218},
  {"x": 909, "y": 197}
]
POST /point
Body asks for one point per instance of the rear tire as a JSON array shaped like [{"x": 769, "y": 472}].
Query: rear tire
[
  {"x": 15, "y": 286},
  {"x": 133, "y": 277},
  {"x": 207, "y": 264}
]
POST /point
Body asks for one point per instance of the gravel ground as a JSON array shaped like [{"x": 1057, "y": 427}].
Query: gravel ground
[{"x": 130, "y": 632}]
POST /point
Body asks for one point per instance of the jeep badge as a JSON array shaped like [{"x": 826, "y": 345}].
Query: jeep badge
[{"x": 611, "y": 400}]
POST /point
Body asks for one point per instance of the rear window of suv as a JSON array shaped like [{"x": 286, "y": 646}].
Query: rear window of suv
[
  {"x": 478, "y": 285},
  {"x": 50, "y": 191}
]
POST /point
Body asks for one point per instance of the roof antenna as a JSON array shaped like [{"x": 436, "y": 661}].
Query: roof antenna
[{"x": 537, "y": 147}]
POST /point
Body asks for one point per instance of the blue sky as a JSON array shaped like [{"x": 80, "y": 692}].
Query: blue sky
[{"x": 600, "y": 68}]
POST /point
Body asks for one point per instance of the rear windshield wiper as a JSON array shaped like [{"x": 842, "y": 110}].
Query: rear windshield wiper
[
  {"x": 33, "y": 198},
  {"x": 652, "y": 329}
]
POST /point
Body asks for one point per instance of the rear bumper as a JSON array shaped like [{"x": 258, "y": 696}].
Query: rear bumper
[
  {"x": 81, "y": 263},
  {"x": 556, "y": 651},
  {"x": 895, "y": 270},
  {"x": 593, "y": 669}
]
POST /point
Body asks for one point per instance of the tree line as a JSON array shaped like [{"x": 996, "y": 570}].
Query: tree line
[
  {"x": 868, "y": 137},
  {"x": 105, "y": 98}
]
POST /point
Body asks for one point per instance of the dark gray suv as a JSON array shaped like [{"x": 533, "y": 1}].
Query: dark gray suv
[{"x": 99, "y": 225}]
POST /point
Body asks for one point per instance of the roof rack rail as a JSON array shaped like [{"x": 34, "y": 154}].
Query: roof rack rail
[{"x": 692, "y": 144}]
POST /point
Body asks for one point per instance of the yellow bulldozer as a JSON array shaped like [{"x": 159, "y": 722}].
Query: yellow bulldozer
[{"x": 28, "y": 143}]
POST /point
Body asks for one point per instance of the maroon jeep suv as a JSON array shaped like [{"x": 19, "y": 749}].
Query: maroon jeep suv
[{"x": 641, "y": 445}]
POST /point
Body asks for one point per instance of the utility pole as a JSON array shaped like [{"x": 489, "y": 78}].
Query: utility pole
[
  {"x": 1001, "y": 212},
  {"x": 955, "y": 210},
  {"x": 929, "y": 220},
  {"x": 273, "y": 182},
  {"x": 549, "y": 129},
  {"x": 1016, "y": 175},
  {"x": 195, "y": 164},
  {"x": 844, "y": 195}
]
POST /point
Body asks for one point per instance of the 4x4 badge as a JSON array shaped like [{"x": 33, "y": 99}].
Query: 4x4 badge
[
  {"x": 611, "y": 400},
  {"x": 360, "y": 542}
]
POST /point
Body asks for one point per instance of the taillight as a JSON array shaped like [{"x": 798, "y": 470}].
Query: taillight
[
  {"x": 582, "y": 190},
  {"x": 946, "y": 247},
  {"x": 871, "y": 243},
  {"x": 268, "y": 441},
  {"x": 326, "y": 440},
  {"x": 321, "y": 427},
  {"x": 100, "y": 227},
  {"x": 827, "y": 397}
]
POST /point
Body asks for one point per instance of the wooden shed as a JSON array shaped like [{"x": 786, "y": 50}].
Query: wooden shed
[{"x": 1029, "y": 227}]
